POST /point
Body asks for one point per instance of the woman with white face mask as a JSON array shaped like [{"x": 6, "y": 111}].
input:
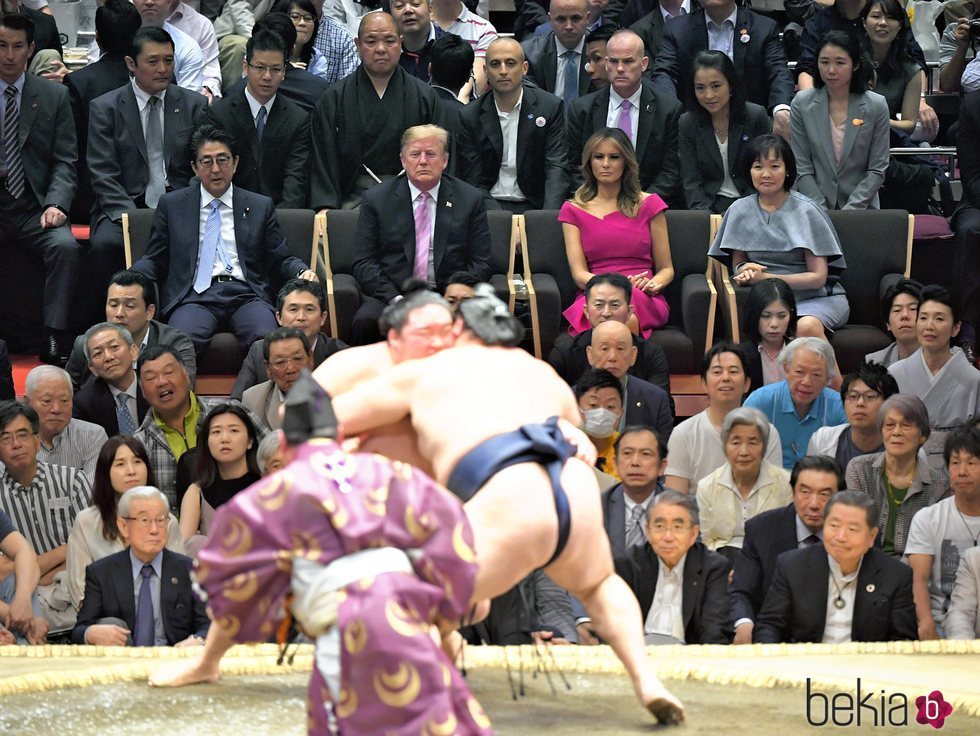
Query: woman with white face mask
[{"x": 600, "y": 399}]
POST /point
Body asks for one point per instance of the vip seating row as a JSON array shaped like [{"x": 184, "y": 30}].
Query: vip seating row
[{"x": 703, "y": 301}]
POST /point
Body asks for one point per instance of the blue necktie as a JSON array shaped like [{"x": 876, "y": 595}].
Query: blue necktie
[
  {"x": 260, "y": 122},
  {"x": 209, "y": 249},
  {"x": 143, "y": 636},
  {"x": 127, "y": 425},
  {"x": 570, "y": 60}
]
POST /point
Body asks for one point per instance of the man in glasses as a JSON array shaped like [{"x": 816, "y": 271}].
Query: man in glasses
[
  {"x": 217, "y": 252},
  {"x": 287, "y": 353}
]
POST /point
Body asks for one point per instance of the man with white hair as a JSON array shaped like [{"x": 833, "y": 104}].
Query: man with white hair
[
  {"x": 73, "y": 443},
  {"x": 112, "y": 400},
  {"x": 803, "y": 403}
]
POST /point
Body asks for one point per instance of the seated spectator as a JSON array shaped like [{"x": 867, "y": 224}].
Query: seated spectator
[
  {"x": 413, "y": 19},
  {"x": 131, "y": 302},
  {"x": 535, "y": 611},
  {"x": 556, "y": 60},
  {"x": 21, "y": 621},
  {"x": 600, "y": 399},
  {"x": 612, "y": 349},
  {"x": 167, "y": 612},
  {"x": 959, "y": 65},
  {"x": 937, "y": 372},
  {"x": 745, "y": 486},
  {"x": 225, "y": 465},
  {"x": 459, "y": 287},
  {"x": 217, "y": 251},
  {"x": 778, "y": 233},
  {"x": 123, "y": 464},
  {"x": 336, "y": 43},
  {"x": 899, "y": 481},
  {"x": 803, "y": 403},
  {"x": 696, "y": 449},
  {"x": 171, "y": 426},
  {"x": 897, "y": 76},
  {"x": 769, "y": 324},
  {"x": 844, "y": 590},
  {"x": 899, "y": 314},
  {"x": 714, "y": 133},
  {"x": 595, "y": 53},
  {"x": 647, "y": 19},
  {"x": 287, "y": 354},
  {"x": 449, "y": 75},
  {"x": 607, "y": 298},
  {"x": 815, "y": 479},
  {"x": 305, "y": 16},
  {"x": 42, "y": 501},
  {"x": 73, "y": 443},
  {"x": 681, "y": 586},
  {"x": 301, "y": 304},
  {"x": 269, "y": 456},
  {"x": 611, "y": 225},
  {"x": 454, "y": 17},
  {"x": 640, "y": 460},
  {"x": 113, "y": 400},
  {"x": 841, "y": 166},
  {"x": 863, "y": 392},
  {"x": 963, "y": 618},
  {"x": 941, "y": 534}
]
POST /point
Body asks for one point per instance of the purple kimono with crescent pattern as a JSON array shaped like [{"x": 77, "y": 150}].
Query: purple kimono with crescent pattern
[{"x": 327, "y": 504}]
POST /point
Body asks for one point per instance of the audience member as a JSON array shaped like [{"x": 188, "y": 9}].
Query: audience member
[
  {"x": 358, "y": 123},
  {"x": 556, "y": 60},
  {"x": 535, "y": 611},
  {"x": 217, "y": 266},
  {"x": 897, "y": 76},
  {"x": 941, "y": 534},
  {"x": 898, "y": 480},
  {"x": 963, "y": 617},
  {"x": 171, "y": 427},
  {"x": 446, "y": 215},
  {"x": 959, "y": 65},
  {"x": 287, "y": 353},
  {"x": 611, "y": 225},
  {"x": 413, "y": 19},
  {"x": 938, "y": 373},
  {"x": 595, "y": 53},
  {"x": 461, "y": 285},
  {"x": 966, "y": 219},
  {"x": 640, "y": 461},
  {"x": 42, "y": 501},
  {"x": 112, "y": 400},
  {"x": 862, "y": 393},
  {"x": 647, "y": 18},
  {"x": 131, "y": 303},
  {"x": 272, "y": 132},
  {"x": 600, "y": 399},
  {"x": 696, "y": 448},
  {"x": 899, "y": 315},
  {"x": 513, "y": 146},
  {"x": 454, "y": 17},
  {"x": 784, "y": 234},
  {"x": 301, "y": 304},
  {"x": 167, "y": 613},
  {"x": 757, "y": 54},
  {"x": 450, "y": 67},
  {"x": 123, "y": 464},
  {"x": 338, "y": 48},
  {"x": 305, "y": 16},
  {"x": 866, "y": 596},
  {"x": 768, "y": 325},
  {"x": 73, "y": 443},
  {"x": 269, "y": 455},
  {"x": 714, "y": 135},
  {"x": 746, "y": 485},
  {"x": 21, "y": 621},
  {"x": 648, "y": 118},
  {"x": 814, "y": 480},
  {"x": 681, "y": 586},
  {"x": 39, "y": 181},
  {"x": 234, "y": 21}
]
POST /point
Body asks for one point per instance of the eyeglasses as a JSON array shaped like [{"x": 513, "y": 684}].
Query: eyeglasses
[
  {"x": 867, "y": 396},
  {"x": 280, "y": 363},
  {"x": 208, "y": 161},
  {"x": 301, "y": 18},
  {"x": 678, "y": 527},
  {"x": 262, "y": 69},
  {"x": 21, "y": 435},
  {"x": 145, "y": 522}
]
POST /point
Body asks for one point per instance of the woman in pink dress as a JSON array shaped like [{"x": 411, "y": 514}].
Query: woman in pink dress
[{"x": 612, "y": 226}]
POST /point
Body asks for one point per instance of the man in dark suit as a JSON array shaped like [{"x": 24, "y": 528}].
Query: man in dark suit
[
  {"x": 752, "y": 42},
  {"x": 652, "y": 118},
  {"x": 112, "y": 399},
  {"x": 640, "y": 461},
  {"x": 137, "y": 146},
  {"x": 680, "y": 584},
  {"x": 423, "y": 225},
  {"x": 649, "y": 25},
  {"x": 844, "y": 590},
  {"x": 217, "y": 252},
  {"x": 556, "y": 60},
  {"x": 513, "y": 140},
  {"x": 814, "y": 480},
  {"x": 141, "y": 596},
  {"x": 275, "y": 163},
  {"x": 37, "y": 179}
]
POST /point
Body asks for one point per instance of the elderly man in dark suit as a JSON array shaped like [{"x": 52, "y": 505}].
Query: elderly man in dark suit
[
  {"x": 640, "y": 461},
  {"x": 273, "y": 133},
  {"x": 141, "y": 596},
  {"x": 217, "y": 252},
  {"x": 650, "y": 26},
  {"x": 423, "y": 225},
  {"x": 652, "y": 117},
  {"x": 513, "y": 141},
  {"x": 680, "y": 584},
  {"x": 844, "y": 590},
  {"x": 815, "y": 479},
  {"x": 37, "y": 179},
  {"x": 750, "y": 40},
  {"x": 557, "y": 59}
]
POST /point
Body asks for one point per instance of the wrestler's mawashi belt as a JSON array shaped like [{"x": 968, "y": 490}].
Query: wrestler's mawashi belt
[{"x": 543, "y": 444}]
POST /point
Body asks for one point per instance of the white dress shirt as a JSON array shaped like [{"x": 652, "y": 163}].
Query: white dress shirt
[
  {"x": 254, "y": 105},
  {"x": 506, "y": 186},
  {"x": 227, "y": 211},
  {"x": 612, "y": 115},
  {"x": 414, "y": 193},
  {"x": 837, "y": 629},
  {"x": 721, "y": 37},
  {"x": 666, "y": 615}
]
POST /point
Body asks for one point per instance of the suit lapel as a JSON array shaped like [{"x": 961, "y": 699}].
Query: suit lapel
[
  {"x": 734, "y": 138},
  {"x": 242, "y": 227},
  {"x": 863, "y": 598},
  {"x": 444, "y": 222},
  {"x": 617, "y": 519},
  {"x": 130, "y": 110},
  {"x": 168, "y": 595},
  {"x": 818, "y": 591},
  {"x": 549, "y": 63},
  {"x": 600, "y": 110},
  {"x": 277, "y": 116},
  {"x": 710, "y": 144},
  {"x": 525, "y": 126},
  {"x": 644, "y": 125},
  {"x": 127, "y": 592},
  {"x": 855, "y": 111},
  {"x": 171, "y": 121},
  {"x": 743, "y": 19},
  {"x": 699, "y": 33},
  {"x": 820, "y": 110},
  {"x": 693, "y": 567},
  {"x": 403, "y": 200},
  {"x": 491, "y": 125}
]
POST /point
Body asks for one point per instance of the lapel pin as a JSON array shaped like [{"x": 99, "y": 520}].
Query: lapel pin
[
  {"x": 176, "y": 109},
  {"x": 540, "y": 122},
  {"x": 857, "y": 122},
  {"x": 870, "y": 587},
  {"x": 530, "y": 116},
  {"x": 34, "y": 106},
  {"x": 173, "y": 581},
  {"x": 449, "y": 204},
  {"x": 744, "y": 37}
]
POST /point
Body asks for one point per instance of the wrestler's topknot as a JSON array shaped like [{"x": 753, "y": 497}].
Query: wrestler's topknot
[
  {"x": 308, "y": 412},
  {"x": 489, "y": 319}
]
